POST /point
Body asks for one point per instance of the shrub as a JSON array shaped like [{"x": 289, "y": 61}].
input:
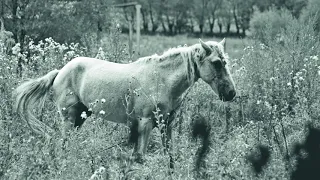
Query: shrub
[
  {"x": 282, "y": 80},
  {"x": 311, "y": 12},
  {"x": 267, "y": 25}
]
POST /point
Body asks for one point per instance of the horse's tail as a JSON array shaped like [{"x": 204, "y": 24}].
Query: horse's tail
[{"x": 32, "y": 94}]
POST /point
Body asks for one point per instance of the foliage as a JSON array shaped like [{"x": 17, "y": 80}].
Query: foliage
[
  {"x": 272, "y": 22},
  {"x": 277, "y": 94},
  {"x": 311, "y": 13},
  {"x": 87, "y": 21}
]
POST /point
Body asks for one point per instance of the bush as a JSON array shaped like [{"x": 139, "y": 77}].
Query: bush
[
  {"x": 311, "y": 12},
  {"x": 268, "y": 24},
  {"x": 282, "y": 78}
]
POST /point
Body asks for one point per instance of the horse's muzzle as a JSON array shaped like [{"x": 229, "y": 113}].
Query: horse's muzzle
[{"x": 228, "y": 96}]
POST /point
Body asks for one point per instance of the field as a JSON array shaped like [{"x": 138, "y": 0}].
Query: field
[{"x": 262, "y": 114}]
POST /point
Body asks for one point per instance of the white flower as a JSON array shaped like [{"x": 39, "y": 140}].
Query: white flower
[
  {"x": 289, "y": 84},
  {"x": 314, "y": 57},
  {"x": 258, "y": 102},
  {"x": 84, "y": 115},
  {"x": 103, "y": 100},
  {"x": 267, "y": 104},
  {"x": 63, "y": 109},
  {"x": 102, "y": 112},
  {"x": 90, "y": 109},
  {"x": 301, "y": 78}
]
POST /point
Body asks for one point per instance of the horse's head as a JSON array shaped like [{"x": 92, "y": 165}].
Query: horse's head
[{"x": 212, "y": 68}]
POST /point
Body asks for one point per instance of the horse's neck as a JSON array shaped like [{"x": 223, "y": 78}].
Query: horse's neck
[{"x": 174, "y": 70}]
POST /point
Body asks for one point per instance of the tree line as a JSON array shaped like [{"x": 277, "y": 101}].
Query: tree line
[{"x": 85, "y": 20}]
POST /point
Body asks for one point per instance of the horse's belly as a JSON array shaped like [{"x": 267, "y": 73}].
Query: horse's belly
[{"x": 110, "y": 110}]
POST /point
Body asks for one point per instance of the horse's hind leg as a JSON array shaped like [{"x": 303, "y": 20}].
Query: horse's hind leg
[{"x": 71, "y": 110}]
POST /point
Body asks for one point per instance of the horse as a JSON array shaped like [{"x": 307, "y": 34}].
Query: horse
[{"x": 136, "y": 93}]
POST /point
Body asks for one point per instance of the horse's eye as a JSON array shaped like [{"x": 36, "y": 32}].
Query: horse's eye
[{"x": 217, "y": 64}]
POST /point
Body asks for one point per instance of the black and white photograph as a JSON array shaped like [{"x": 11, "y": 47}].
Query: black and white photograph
[{"x": 159, "y": 89}]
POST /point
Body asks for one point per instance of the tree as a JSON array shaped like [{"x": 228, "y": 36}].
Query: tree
[
  {"x": 201, "y": 12},
  {"x": 242, "y": 12},
  {"x": 224, "y": 16},
  {"x": 213, "y": 7}
]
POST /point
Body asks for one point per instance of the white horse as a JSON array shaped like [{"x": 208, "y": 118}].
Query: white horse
[{"x": 131, "y": 92}]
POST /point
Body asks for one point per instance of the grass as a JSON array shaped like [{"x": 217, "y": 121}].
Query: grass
[{"x": 23, "y": 155}]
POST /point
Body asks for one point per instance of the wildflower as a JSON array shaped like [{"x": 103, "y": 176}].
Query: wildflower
[
  {"x": 90, "y": 109},
  {"x": 301, "y": 78},
  {"x": 259, "y": 101},
  {"x": 267, "y": 104},
  {"x": 63, "y": 109},
  {"x": 103, "y": 100},
  {"x": 272, "y": 79},
  {"x": 289, "y": 84},
  {"x": 83, "y": 115},
  {"x": 102, "y": 112},
  {"x": 314, "y": 57}
]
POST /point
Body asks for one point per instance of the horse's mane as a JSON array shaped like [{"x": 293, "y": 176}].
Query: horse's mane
[
  {"x": 164, "y": 56},
  {"x": 188, "y": 54}
]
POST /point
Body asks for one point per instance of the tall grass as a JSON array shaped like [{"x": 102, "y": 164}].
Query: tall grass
[{"x": 277, "y": 85}]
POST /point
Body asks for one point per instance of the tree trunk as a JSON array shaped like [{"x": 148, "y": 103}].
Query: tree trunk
[
  {"x": 236, "y": 21},
  {"x": 170, "y": 25},
  {"x": 211, "y": 25},
  {"x": 243, "y": 32},
  {"x": 99, "y": 33},
  {"x": 153, "y": 24},
  {"x": 163, "y": 25},
  {"x": 144, "y": 20},
  {"x": 220, "y": 27},
  {"x": 201, "y": 28},
  {"x": 191, "y": 26},
  {"x": 228, "y": 28}
]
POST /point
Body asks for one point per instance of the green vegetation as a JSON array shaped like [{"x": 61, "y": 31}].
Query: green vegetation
[{"x": 276, "y": 72}]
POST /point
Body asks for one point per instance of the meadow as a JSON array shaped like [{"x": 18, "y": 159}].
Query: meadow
[{"x": 277, "y": 96}]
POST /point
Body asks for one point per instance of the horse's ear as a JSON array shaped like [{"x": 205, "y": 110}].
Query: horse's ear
[
  {"x": 223, "y": 43},
  {"x": 205, "y": 47}
]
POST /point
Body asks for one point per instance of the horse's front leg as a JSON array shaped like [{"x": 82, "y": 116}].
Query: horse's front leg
[{"x": 144, "y": 128}]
